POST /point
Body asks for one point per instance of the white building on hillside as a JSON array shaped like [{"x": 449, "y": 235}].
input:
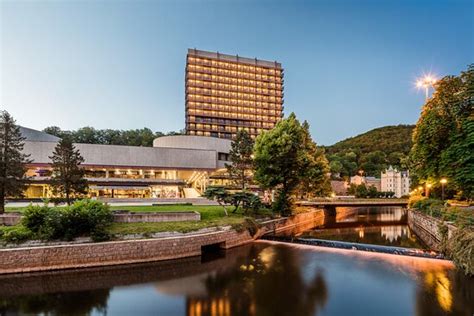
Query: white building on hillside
[{"x": 395, "y": 181}]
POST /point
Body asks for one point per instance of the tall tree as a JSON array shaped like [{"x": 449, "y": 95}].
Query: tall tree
[
  {"x": 241, "y": 157},
  {"x": 285, "y": 158},
  {"x": 68, "y": 176},
  {"x": 443, "y": 140},
  {"x": 315, "y": 180},
  {"x": 12, "y": 160}
]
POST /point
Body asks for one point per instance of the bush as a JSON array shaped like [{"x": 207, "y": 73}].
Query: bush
[
  {"x": 83, "y": 218},
  {"x": 44, "y": 221},
  {"x": 86, "y": 217},
  {"x": 16, "y": 234},
  {"x": 460, "y": 248}
]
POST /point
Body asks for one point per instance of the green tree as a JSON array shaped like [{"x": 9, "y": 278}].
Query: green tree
[
  {"x": 241, "y": 156},
  {"x": 12, "y": 160},
  {"x": 315, "y": 179},
  {"x": 220, "y": 195},
  {"x": 68, "y": 176},
  {"x": 285, "y": 157},
  {"x": 336, "y": 167},
  {"x": 443, "y": 140}
]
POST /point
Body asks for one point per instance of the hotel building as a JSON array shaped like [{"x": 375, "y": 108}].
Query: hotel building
[
  {"x": 396, "y": 181},
  {"x": 175, "y": 167},
  {"x": 226, "y": 93}
]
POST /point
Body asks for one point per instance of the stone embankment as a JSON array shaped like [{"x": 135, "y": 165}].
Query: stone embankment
[
  {"x": 43, "y": 258},
  {"x": 10, "y": 219},
  {"x": 427, "y": 228}
]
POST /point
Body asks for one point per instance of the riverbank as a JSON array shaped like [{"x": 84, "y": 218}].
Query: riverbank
[
  {"x": 455, "y": 241},
  {"x": 68, "y": 256}
]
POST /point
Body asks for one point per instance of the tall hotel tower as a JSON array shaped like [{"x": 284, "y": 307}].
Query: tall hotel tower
[{"x": 227, "y": 93}]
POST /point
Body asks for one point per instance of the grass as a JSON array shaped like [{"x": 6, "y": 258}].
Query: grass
[{"x": 211, "y": 216}]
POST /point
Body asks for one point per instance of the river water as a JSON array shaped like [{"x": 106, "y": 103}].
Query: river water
[
  {"x": 386, "y": 226},
  {"x": 263, "y": 278}
]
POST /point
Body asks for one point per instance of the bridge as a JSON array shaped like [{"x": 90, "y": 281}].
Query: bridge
[{"x": 333, "y": 203}]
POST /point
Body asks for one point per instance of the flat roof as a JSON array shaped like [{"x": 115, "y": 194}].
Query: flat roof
[
  {"x": 129, "y": 156},
  {"x": 234, "y": 58}
]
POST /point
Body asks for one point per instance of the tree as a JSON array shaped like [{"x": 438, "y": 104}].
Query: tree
[
  {"x": 220, "y": 195},
  {"x": 285, "y": 157},
  {"x": 12, "y": 160},
  {"x": 443, "y": 140},
  {"x": 68, "y": 176},
  {"x": 315, "y": 179},
  {"x": 241, "y": 157}
]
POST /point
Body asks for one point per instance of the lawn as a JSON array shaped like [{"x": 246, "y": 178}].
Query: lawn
[{"x": 211, "y": 216}]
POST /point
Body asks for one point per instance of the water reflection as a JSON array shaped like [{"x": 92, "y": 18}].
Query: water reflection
[
  {"x": 264, "y": 278},
  {"x": 373, "y": 225}
]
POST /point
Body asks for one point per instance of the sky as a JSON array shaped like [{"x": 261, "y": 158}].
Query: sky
[{"x": 350, "y": 66}]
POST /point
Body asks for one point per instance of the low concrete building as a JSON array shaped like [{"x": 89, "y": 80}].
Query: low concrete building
[
  {"x": 396, "y": 181},
  {"x": 176, "y": 166}
]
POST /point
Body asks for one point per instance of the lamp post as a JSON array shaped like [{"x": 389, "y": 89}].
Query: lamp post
[
  {"x": 428, "y": 187},
  {"x": 425, "y": 83},
  {"x": 443, "y": 183}
]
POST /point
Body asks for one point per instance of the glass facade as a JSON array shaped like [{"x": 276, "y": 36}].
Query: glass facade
[
  {"x": 227, "y": 93},
  {"x": 123, "y": 182}
]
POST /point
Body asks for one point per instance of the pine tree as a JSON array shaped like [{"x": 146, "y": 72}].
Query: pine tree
[
  {"x": 241, "y": 156},
  {"x": 68, "y": 176},
  {"x": 12, "y": 160}
]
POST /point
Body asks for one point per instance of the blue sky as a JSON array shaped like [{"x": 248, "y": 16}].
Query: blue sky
[{"x": 349, "y": 65}]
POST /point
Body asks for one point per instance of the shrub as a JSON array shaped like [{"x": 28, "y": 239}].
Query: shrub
[
  {"x": 16, "y": 234},
  {"x": 44, "y": 221},
  {"x": 460, "y": 248},
  {"x": 87, "y": 217},
  {"x": 83, "y": 218}
]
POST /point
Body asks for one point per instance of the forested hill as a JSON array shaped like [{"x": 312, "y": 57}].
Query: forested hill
[
  {"x": 388, "y": 139},
  {"x": 372, "y": 151}
]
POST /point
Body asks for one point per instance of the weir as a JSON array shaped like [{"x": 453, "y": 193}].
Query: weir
[{"x": 374, "y": 229}]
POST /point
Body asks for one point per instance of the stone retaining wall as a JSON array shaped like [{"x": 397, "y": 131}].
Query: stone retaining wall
[
  {"x": 148, "y": 217},
  {"x": 10, "y": 219},
  {"x": 44, "y": 258},
  {"x": 427, "y": 228}
]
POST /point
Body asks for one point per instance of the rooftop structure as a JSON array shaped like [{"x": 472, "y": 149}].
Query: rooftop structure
[{"x": 225, "y": 93}]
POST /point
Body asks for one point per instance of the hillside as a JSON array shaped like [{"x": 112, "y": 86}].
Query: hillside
[
  {"x": 372, "y": 151},
  {"x": 387, "y": 139}
]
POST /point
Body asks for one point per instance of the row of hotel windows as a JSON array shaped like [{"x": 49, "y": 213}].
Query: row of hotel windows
[
  {"x": 234, "y": 73},
  {"x": 211, "y": 134},
  {"x": 231, "y": 109},
  {"x": 251, "y": 105},
  {"x": 239, "y": 85},
  {"x": 231, "y": 129},
  {"x": 215, "y": 124},
  {"x": 234, "y": 66},
  {"x": 251, "y": 97},
  {"x": 231, "y": 94},
  {"x": 231, "y": 80},
  {"x": 233, "y": 115}
]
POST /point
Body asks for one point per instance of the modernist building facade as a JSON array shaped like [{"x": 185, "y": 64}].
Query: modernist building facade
[
  {"x": 176, "y": 166},
  {"x": 225, "y": 93},
  {"x": 396, "y": 181}
]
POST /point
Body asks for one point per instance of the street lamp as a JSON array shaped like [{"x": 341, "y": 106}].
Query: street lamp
[
  {"x": 428, "y": 187},
  {"x": 443, "y": 182},
  {"x": 425, "y": 83}
]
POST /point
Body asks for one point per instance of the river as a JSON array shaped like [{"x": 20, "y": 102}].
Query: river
[
  {"x": 386, "y": 226},
  {"x": 262, "y": 278}
]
